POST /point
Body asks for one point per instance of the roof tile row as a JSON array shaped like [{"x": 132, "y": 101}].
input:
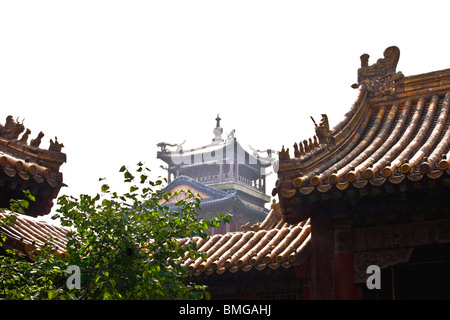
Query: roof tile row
[
  {"x": 30, "y": 234},
  {"x": 12, "y": 167},
  {"x": 390, "y": 142},
  {"x": 275, "y": 244}
]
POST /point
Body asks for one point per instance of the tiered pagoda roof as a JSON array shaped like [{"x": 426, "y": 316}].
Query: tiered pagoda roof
[
  {"x": 396, "y": 131},
  {"x": 225, "y": 165},
  {"x": 223, "y": 151}
]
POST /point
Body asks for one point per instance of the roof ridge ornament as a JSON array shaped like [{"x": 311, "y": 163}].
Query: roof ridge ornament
[
  {"x": 284, "y": 154},
  {"x": 323, "y": 137},
  {"x": 323, "y": 131},
  {"x": 55, "y": 145},
  {"x": 13, "y": 128},
  {"x": 218, "y": 121},
  {"x": 163, "y": 145},
  {"x": 379, "y": 79},
  {"x": 256, "y": 152},
  {"x": 218, "y": 130}
]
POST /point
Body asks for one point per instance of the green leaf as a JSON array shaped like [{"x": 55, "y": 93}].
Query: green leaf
[
  {"x": 128, "y": 176},
  {"x": 29, "y": 195},
  {"x": 143, "y": 178},
  {"x": 180, "y": 203},
  {"x": 52, "y": 294}
]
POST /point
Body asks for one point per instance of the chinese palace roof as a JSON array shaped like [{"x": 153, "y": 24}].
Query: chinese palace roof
[
  {"x": 272, "y": 243},
  {"x": 396, "y": 131},
  {"x": 27, "y": 234},
  {"x": 26, "y": 166}
]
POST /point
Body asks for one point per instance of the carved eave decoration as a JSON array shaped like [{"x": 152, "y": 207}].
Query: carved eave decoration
[{"x": 365, "y": 148}]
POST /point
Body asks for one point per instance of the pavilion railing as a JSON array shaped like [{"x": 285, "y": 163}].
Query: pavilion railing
[{"x": 232, "y": 177}]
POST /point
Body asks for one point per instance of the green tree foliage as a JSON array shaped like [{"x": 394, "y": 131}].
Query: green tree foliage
[
  {"x": 127, "y": 246},
  {"x": 21, "y": 278}
]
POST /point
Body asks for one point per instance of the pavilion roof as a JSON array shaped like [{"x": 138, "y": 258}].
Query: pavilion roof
[{"x": 228, "y": 151}]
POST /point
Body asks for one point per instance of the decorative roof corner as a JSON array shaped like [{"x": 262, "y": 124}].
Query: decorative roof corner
[
  {"x": 380, "y": 78},
  {"x": 164, "y": 145},
  {"x": 13, "y": 128},
  {"x": 26, "y": 166},
  {"x": 12, "y": 145}
]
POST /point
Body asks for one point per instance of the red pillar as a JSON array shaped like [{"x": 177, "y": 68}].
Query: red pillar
[
  {"x": 322, "y": 273},
  {"x": 346, "y": 288},
  {"x": 303, "y": 271}
]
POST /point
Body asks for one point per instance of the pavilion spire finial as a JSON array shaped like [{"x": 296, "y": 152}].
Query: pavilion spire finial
[
  {"x": 218, "y": 130},
  {"x": 218, "y": 121}
]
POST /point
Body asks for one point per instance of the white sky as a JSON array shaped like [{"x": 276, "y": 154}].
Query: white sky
[{"x": 111, "y": 79}]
